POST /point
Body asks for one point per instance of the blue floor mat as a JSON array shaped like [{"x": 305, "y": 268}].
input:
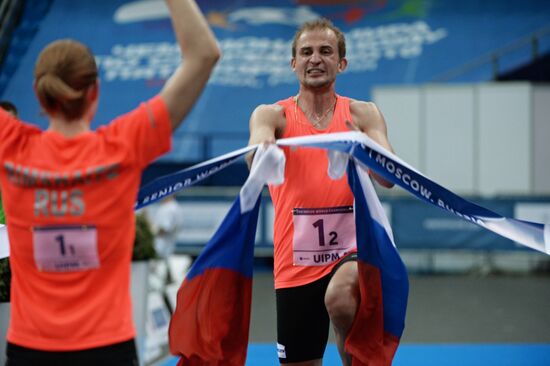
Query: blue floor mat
[{"x": 426, "y": 355}]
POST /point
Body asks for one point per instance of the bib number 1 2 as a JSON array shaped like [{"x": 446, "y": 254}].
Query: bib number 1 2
[{"x": 320, "y": 226}]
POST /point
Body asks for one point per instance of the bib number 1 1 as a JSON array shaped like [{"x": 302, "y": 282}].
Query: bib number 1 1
[{"x": 65, "y": 248}]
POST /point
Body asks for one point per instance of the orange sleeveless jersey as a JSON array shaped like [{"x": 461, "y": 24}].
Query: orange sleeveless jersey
[
  {"x": 50, "y": 182},
  {"x": 306, "y": 185}
]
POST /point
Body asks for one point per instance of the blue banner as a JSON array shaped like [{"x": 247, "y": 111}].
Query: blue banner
[{"x": 389, "y": 42}]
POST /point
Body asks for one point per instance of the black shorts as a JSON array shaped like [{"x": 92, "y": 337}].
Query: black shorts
[
  {"x": 302, "y": 319},
  {"x": 119, "y": 354}
]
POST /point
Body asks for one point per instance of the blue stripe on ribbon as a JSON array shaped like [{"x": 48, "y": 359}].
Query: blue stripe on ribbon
[{"x": 175, "y": 182}]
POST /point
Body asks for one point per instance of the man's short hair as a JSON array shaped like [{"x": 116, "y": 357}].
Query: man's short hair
[
  {"x": 8, "y": 106},
  {"x": 321, "y": 23}
]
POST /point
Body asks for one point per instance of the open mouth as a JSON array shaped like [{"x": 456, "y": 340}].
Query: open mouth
[{"x": 315, "y": 72}]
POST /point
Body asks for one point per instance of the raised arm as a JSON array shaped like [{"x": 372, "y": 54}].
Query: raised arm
[
  {"x": 367, "y": 118},
  {"x": 266, "y": 123},
  {"x": 200, "y": 52}
]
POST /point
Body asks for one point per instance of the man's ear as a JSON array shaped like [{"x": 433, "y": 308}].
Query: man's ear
[
  {"x": 342, "y": 64},
  {"x": 293, "y": 63}
]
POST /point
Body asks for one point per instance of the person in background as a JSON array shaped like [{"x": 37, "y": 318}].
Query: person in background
[
  {"x": 69, "y": 194},
  {"x": 166, "y": 223},
  {"x": 166, "y": 220}
]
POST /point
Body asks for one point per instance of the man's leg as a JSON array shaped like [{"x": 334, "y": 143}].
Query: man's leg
[
  {"x": 302, "y": 324},
  {"x": 342, "y": 300}
]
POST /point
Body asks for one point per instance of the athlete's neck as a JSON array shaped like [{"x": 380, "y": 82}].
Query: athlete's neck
[
  {"x": 317, "y": 106},
  {"x": 316, "y": 102},
  {"x": 69, "y": 128}
]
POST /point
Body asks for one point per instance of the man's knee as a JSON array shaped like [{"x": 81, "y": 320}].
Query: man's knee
[
  {"x": 342, "y": 295},
  {"x": 340, "y": 302}
]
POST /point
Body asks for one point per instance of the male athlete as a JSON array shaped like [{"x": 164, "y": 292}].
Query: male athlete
[{"x": 316, "y": 278}]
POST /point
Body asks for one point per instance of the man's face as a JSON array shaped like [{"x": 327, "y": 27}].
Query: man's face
[{"x": 317, "y": 61}]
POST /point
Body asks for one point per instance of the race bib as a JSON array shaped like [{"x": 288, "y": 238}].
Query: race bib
[
  {"x": 322, "y": 235},
  {"x": 65, "y": 248}
]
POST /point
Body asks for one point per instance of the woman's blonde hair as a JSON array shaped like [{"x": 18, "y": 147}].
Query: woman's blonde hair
[{"x": 64, "y": 71}]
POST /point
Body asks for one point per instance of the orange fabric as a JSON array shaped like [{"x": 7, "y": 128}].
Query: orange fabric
[
  {"x": 306, "y": 185},
  {"x": 91, "y": 179}
]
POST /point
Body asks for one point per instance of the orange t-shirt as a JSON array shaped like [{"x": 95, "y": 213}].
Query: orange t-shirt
[
  {"x": 70, "y": 209},
  {"x": 308, "y": 189}
]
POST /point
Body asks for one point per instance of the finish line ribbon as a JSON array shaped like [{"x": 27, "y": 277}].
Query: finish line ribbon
[
  {"x": 389, "y": 166},
  {"x": 175, "y": 182}
]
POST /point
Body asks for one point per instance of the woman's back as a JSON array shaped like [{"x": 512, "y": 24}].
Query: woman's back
[{"x": 70, "y": 204}]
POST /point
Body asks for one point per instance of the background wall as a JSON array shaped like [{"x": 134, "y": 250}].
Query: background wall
[
  {"x": 478, "y": 139},
  {"x": 389, "y": 42}
]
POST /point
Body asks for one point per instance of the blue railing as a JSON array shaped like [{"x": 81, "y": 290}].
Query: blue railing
[
  {"x": 194, "y": 147},
  {"x": 521, "y": 51}
]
